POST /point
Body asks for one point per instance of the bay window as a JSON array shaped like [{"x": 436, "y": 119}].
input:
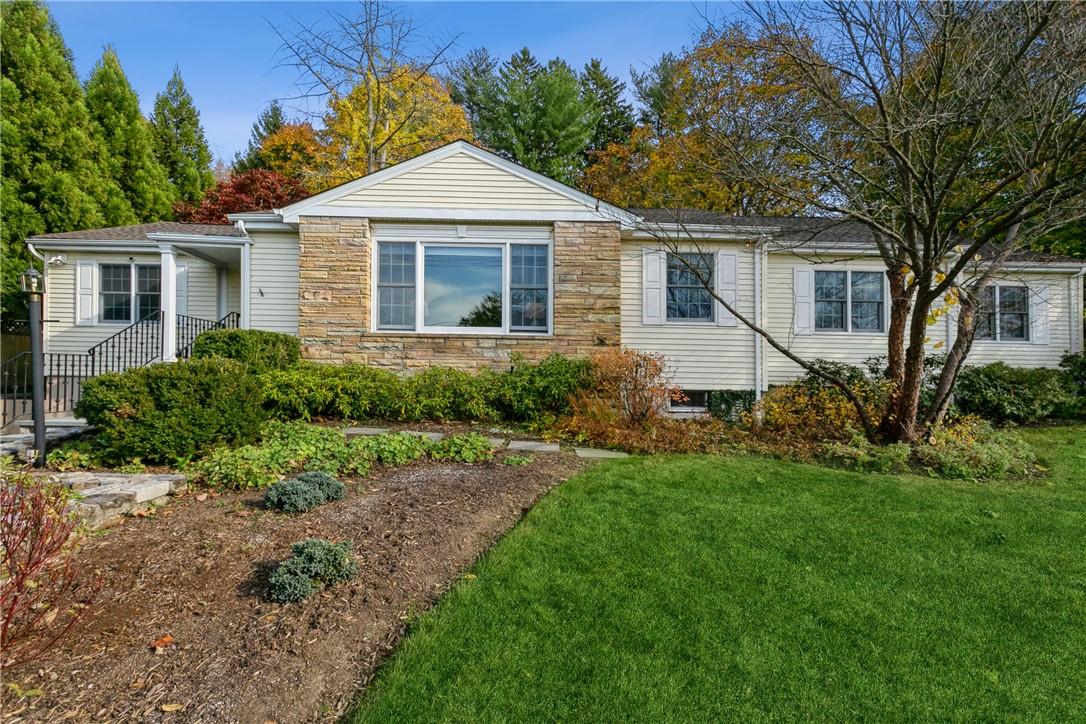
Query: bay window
[
  {"x": 446, "y": 287},
  {"x": 128, "y": 292},
  {"x": 850, "y": 301}
]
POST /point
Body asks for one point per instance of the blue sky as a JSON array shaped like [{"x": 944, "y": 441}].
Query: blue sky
[{"x": 228, "y": 56}]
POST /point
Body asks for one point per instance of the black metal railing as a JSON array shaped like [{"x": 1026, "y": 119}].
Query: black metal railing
[
  {"x": 64, "y": 375},
  {"x": 189, "y": 328},
  {"x": 136, "y": 345}
]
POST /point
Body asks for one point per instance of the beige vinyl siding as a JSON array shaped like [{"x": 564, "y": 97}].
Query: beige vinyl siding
[
  {"x": 459, "y": 182},
  {"x": 62, "y": 334},
  {"x": 702, "y": 356},
  {"x": 273, "y": 287},
  {"x": 233, "y": 290},
  {"x": 855, "y": 348}
]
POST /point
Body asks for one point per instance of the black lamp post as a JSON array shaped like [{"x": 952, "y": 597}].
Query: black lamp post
[{"x": 33, "y": 284}]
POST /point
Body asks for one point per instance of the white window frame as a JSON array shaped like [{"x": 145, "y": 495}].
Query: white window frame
[
  {"x": 997, "y": 335},
  {"x": 420, "y": 292},
  {"x": 713, "y": 304},
  {"x": 133, "y": 280},
  {"x": 848, "y": 301}
]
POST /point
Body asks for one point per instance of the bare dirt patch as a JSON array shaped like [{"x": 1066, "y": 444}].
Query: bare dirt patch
[{"x": 195, "y": 571}]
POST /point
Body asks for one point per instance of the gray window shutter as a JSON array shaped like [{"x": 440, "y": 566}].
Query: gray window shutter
[
  {"x": 182, "y": 289},
  {"x": 653, "y": 286},
  {"x": 1038, "y": 315},
  {"x": 85, "y": 282},
  {"x": 726, "y": 286},
  {"x": 803, "y": 294}
]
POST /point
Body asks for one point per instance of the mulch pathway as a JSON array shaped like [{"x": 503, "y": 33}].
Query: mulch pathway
[{"x": 196, "y": 571}]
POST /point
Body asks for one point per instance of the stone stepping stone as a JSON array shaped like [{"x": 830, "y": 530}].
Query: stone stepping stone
[
  {"x": 597, "y": 454},
  {"x": 534, "y": 446},
  {"x": 431, "y": 436},
  {"x": 356, "y": 431},
  {"x": 497, "y": 441}
]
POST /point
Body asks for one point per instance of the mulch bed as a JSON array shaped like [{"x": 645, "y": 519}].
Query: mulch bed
[{"x": 196, "y": 571}]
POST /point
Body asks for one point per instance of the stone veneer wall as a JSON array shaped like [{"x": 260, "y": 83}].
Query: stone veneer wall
[{"x": 334, "y": 302}]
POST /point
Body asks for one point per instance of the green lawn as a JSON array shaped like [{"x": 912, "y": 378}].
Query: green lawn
[{"x": 700, "y": 588}]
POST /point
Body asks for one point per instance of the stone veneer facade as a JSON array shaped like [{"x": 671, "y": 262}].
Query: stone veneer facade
[{"x": 334, "y": 309}]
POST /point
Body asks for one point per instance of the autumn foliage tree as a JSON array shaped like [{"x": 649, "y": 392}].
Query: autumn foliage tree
[
  {"x": 294, "y": 151},
  {"x": 250, "y": 190}
]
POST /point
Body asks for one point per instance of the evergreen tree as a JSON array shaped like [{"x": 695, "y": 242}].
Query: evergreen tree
[
  {"x": 473, "y": 80},
  {"x": 180, "y": 144},
  {"x": 126, "y": 136},
  {"x": 538, "y": 117},
  {"x": 51, "y": 177},
  {"x": 270, "y": 120},
  {"x": 604, "y": 92}
]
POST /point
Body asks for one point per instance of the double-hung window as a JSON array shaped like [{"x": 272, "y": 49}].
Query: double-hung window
[
  {"x": 689, "y": 278},
  {"x": 850, "y": 301},
  {"x": 463, "y": 287},
  {"x": 1004, "y": 314},
  {"x": 128, "y": 292}
]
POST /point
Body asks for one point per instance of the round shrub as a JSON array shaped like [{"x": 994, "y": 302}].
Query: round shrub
[
  {"x": 1001, "y": 393},
  {"x": 171, "y": 410},
  {"x": 314, "y": 563},
  {"x": 257, "y": 349},
  {"x": 294, "y": 496},
  {"x": 328, "y": 486}
]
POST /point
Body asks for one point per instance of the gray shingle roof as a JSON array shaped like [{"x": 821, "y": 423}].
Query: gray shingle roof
[
  {"x": 139, "y": 232},
  {"x": 794, "y": 228}
]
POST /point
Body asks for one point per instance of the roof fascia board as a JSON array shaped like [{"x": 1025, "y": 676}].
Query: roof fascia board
[
  {"x": 417, "y": 214},
  {"x": 199, "y": 239}
]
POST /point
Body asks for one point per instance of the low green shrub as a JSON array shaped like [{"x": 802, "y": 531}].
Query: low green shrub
[
  {"x": 970, "y": 448},
  {"x": 72, "y": 455},
  {"x": 397, "y": 448},
  {"x": 1001, "y": 393},
  {"x": 729, "y": 405},
  {"x": 166, "y": 411},
  {"x": 443, "y": 394},
  {"x": 517, "y": 460},
  {"x": 304, "y": 492},
  {"x": 311, "y": 390},
  {"x": 1073, "y": 369},
  {"x": 236, "y": 468},
  {"x": 257, "y": 349},
  {"x": 860, "y": 454},
  {"x": 469, "y": 447},
  {"x": 314, "y": 564},
  {"x": 539, "y": 392}
]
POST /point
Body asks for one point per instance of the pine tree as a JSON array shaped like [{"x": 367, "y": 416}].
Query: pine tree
[
  {"x": 180, "y": 144},
  {"x": 473, "y": 79},
  {"x": 538, "y": 117},
  {"x": 270, "y": 120},
  {"x": 51, "y": 177},
  {"x": 604, "y": 92},
  {"x": 126, "y": 135}
]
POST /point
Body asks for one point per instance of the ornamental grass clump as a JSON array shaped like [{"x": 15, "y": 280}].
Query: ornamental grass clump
[{"x": 313, "y": 565}]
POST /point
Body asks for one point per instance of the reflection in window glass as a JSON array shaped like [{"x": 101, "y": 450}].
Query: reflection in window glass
[
  {"x": 831, "y": 296},
  {"x": 867, "y": 301},
  {"x": 148, "y": 297},
  {"x": 115, "y": 286},
  {"x": 396, "y": 286},
  {"x": 687, "y": 296},
  {"x": 528, "y": 287},
  {"x": 462, "y": 286}
]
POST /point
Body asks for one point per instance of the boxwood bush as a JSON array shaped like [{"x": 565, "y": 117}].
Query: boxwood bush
[
  {"x": 257, "y": 349},
  {"x": 168, "y": 411}
]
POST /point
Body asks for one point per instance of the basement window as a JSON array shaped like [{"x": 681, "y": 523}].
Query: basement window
[{"x": 696, "y": 401}]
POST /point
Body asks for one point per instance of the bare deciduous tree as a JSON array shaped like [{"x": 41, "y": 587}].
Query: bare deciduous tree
[
  {"x": 954, "y": 132},
  {"x": 378, "y": 53}
]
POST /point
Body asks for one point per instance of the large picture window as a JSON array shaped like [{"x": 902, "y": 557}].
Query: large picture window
[
  {"x": 128, "y": 292},
  {"x": 850, "y": 301},
  {"x": 463, "y": 287},
  {"x": 1004, "y": 314}
]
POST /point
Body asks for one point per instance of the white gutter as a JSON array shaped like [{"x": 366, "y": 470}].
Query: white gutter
[
  {"x": 35, "y": 253},
  {"x": 1074, "y": 291}
]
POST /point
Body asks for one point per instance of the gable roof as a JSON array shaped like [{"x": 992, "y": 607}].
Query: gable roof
[
  {"x": 458, "y": 179},
  {"x": 140, "y": 232}
]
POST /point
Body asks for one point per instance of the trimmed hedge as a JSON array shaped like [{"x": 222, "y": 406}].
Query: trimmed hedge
[
  {"x": 526, "y": 393},
  {"x": 168, "y": 411},
  {"x": 257, "y": 349}
]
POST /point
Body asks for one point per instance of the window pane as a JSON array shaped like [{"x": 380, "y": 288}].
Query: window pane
[
  {"x": 829, "y": 315},
  {"x": 867, "y": 316},
  {"x": 528, "y": 308},
  {"x": 830, "y": 286},
  {"x": 1013, "y": 299},
  {"x": 397, "y": 264},
  {"x": 689, "y": 303},
  {"x": 679, "y": 274},
  {"x": 148, "y": 298},
  {"x": 867, "y": 286},
  {"x": 115, "y": 284},
  {"x": 462, "y": 286},
  {"x": 528, "y": 266},
  {"x": 1013, "y": 325},
  {"x": 396, "y": 308}
]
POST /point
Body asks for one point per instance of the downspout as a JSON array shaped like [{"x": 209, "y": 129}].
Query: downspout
[
  {"x": 757, "y": 319},
  {"x": 1076, "y": 293},
  {"x": 35, "y": 253}
]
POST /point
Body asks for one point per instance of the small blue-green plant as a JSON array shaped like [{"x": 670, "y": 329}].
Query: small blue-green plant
[{"x": 314, "y": 563}]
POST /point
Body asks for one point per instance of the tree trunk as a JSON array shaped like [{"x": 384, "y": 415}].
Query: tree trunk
[
  {"x": 948, "y": 376},
  {"x": 901, "y": 303},
  {"x": 900, "y": 424}
]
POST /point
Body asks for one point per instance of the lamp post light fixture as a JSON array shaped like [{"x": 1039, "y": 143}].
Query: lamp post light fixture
[{"x": 33, "y": 284}]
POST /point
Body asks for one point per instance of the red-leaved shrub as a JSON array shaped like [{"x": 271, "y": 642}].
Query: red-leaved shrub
[{"x": 41, "y": 598}]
